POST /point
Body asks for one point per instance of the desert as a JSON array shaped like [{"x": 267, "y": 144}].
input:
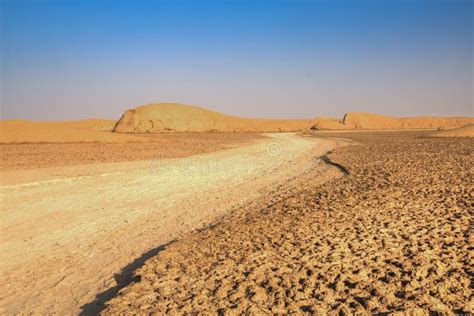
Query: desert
[
  {"x": 392, "y": 235},
  {"x": 236, "y": 157},
  {"x": 90, "y": 231},
  {"x": 169, "y": 222}
]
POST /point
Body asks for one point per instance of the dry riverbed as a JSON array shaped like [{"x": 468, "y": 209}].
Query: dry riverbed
[{"x": 71, "y": 235}]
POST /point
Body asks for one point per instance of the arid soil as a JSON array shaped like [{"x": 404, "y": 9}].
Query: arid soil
[
  {"x": 157, "y": 146},
  {"x": 72, "y": 235},
  {"x": 392, "y": 234}
]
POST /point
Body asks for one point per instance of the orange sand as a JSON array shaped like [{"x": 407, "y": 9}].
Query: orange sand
[{"x": 61, "y": 132}]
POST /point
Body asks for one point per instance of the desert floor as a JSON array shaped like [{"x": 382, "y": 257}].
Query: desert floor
[
  {"x": 75, "y": 229},
  {"x": 21, "y": 156},
  {"x": 386, "y": 229}
]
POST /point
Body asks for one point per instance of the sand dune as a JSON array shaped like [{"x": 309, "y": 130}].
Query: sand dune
[
  {"x": 369, "y": 121},
  {"x": 20, "y": 131},
  {"x": 463, "y": 131},
  {"x": 176, "y": 117}
]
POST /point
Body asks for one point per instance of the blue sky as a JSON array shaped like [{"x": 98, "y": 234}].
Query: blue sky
[{"x": 75, "y": 59}]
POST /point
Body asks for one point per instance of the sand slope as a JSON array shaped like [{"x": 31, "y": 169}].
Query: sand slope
[
  {"x": 463, "y": 131},
  {"x": 176, "y": 117},
  {"x": 19, "y": 131},
  {"x": 360, "y": 120}
]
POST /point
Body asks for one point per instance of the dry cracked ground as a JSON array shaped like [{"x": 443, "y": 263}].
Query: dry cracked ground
[{"x": 389, "y": 231}]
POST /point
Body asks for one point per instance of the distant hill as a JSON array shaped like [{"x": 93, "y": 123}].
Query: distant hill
[
  {"x": 369, "y": 121},
  {"x": 174, "y": 117}
]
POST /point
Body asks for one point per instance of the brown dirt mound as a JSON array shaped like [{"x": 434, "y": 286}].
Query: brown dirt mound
[
  {"x": 463, "y": 131},
  {"x": 369, "y": 121},
  {"x": 61, "y": 132},
  {"x": 176, "y": 117}
]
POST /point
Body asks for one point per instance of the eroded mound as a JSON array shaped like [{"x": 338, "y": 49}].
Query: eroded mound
[
  {"x": 369, "y": 121},
  {"x": 174, "y": 117}
]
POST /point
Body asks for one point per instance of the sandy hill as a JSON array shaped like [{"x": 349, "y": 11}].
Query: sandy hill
[
  {"x": 369, "y": 121},
  {"x": 175, "y": 117},
  {"x": 463, "y": 131},
  {"x": 19, "y": 131}
]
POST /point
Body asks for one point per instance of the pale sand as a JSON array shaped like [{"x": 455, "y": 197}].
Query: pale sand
[{"x": 64, "y": 237}]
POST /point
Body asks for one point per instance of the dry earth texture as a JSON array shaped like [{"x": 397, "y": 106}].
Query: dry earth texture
[
  {"x": 62, "y": 132},
  {"x": 391, "y": 235},
  {"x": 161, "y": 146},
  {"x": 173, "y": 117},
  {"x": 368, "y": 121}
]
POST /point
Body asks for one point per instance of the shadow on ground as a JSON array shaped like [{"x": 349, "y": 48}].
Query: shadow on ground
[
  {"x": 328, "y": 161},
  {"x": 123, "y": 279}
]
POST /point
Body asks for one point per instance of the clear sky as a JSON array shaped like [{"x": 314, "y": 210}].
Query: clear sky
[{"x": 74, "y": 59}]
